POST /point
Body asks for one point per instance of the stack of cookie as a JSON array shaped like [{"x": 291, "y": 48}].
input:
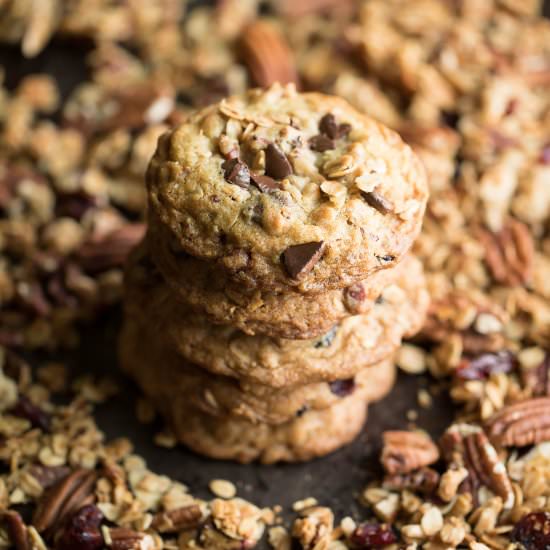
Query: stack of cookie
[{"x": 265, "y": 305}]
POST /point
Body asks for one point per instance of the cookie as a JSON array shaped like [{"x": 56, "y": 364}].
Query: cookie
[
  {"x": 314, "y": 434},
  {"x": 287, "y": 191},
  {"x": 204, "y": 288},
  {"x": 354, "y": 343},
  {"x": 143, "y": 352}
]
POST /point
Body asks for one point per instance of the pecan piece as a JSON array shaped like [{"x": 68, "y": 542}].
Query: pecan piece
[
  {"x": 292, "y": 8},
  {"x": 405, "y": 451},
  {"x": 25, "y": 408},
  {"x": 424, "y": 480},
  {"x": 488, "y": 467},
  {"x": 509, "y": 254},
  {"x": 63, "y": 499},
  {"x": 267, "y": 55},
  {"x": 538, "y": 379},
  {"x": 17, "y": 530},
  {"x": 122, "y": 538},
  {"x": 111, "y": 249},
  {"x": 314, "y": 528},
  {"x": 176, "y": 520},
  {"x": 467, "y": 446},
  {"x": 521, "y": 424}
]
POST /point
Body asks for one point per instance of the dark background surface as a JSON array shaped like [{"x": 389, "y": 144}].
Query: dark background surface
[{"x": 335, "y": 480}]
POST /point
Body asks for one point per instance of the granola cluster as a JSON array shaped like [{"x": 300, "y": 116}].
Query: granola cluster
[{"x": 466, "y": 84}]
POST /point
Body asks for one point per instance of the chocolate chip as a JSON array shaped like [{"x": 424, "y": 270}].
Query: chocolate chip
[
  {"x": 300, "y": 259},
  {"x": 277, "y": 164},
  {"x": 326, "y": 340},
  {"x": 377, "y": 201},
  {"x": 342, "y": 388},
  {"x": 321, "y": 143},
  {"x": 328, "y": 126},
  {"x": 264, "y": 183},
  {"x": 333, "y": 130},
  {"x": 385, "y": 259},
  {"x": 236, "y": 172}
]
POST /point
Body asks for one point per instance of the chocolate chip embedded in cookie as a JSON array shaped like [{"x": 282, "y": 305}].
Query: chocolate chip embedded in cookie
[
  {"x": 204, "y": 288},
  {"x": 287, "y": 191}
]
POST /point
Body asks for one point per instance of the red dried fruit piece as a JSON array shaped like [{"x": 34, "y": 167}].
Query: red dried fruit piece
[
  {"x": 544, "y": 157},
  {"x": 342, "y": 388},
  {"x": 25, "y": 408},
  {"x": 482, "y": 366},
  {"x": 533, "y": 531},
  {"x": 372, "y": 535},
  {"x": 82, "y": 531}
]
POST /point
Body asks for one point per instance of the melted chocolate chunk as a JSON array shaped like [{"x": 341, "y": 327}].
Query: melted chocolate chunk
[
  {"x": 264, "y": 183},
  {"x": 328, "y": 126},
  {"x": 333, "y": 130},
  {"x": 301, "y": 258},
  {"x": 378, "y": 202},
  {"x": 277, "y": 164},
  {"x": 236, "y": 172},
  {"x": 321, "y": 143}
]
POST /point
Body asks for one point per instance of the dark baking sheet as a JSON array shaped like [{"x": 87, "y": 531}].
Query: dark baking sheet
[{"x": 335, "y": 480}]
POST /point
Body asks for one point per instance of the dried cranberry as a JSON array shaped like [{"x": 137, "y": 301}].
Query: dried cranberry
[
  {"x": 544, "y": 157},
  {"x": 372, "y": 535},
  {"x": 533, "y": 531},
  {"x": 25, "y": 408},
  {"x": 342, "y": 388},
  {"x": 326, "y": 340},
  {"x": 482, "y": 366},
  {"x": 82, "y": 530}
]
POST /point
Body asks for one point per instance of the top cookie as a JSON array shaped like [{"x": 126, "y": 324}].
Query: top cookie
[{"x": 286, "y": 190}]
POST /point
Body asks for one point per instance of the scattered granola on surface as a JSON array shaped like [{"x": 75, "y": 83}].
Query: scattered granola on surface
[{"x": 465, "y": 83}]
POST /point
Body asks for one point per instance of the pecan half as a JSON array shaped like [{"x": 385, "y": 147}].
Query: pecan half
[
  {"x": 17, "y": 530},
  {"x": 520, "y": 424},
  {"x": 468, "y": 446},
  {"x": 267, "y": 55},
  {"x": 405, "y": 451},
  {"x": 509, "y": 253},
  {"x": 64, "y": 498},
  {"x": 173, "y": 521}
]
